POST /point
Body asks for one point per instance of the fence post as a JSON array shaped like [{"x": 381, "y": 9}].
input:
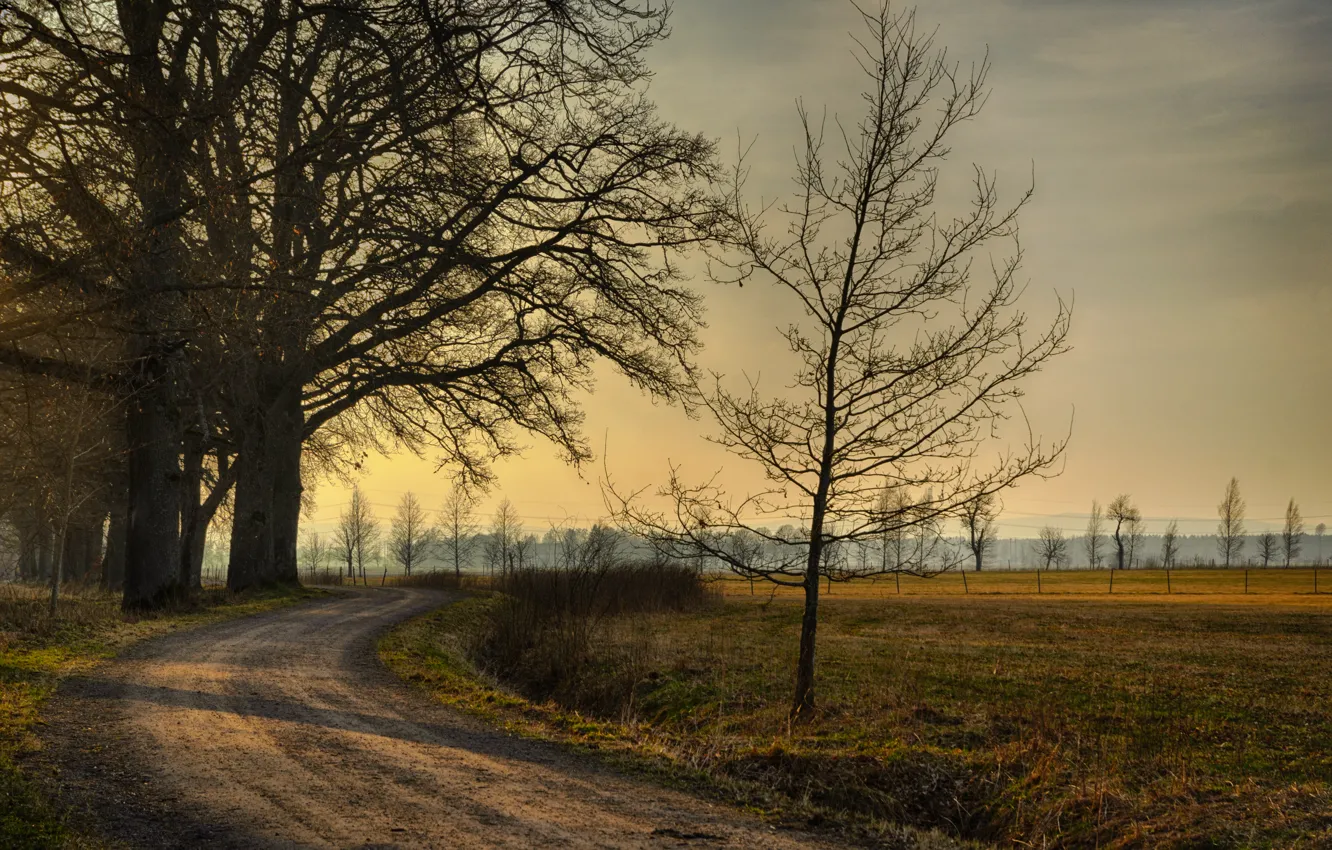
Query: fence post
[
  {"x": 898, "y": 576},
  {"x": 1315, "y": 578},
  {"x": 965, "y": 590},
  {"x": 1038, "y": 580},
  {"x": 1112, "y": 579},
  {"x": 1246, "y": 581}
]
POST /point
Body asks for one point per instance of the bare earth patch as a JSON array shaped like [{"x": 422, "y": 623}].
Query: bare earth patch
[{"x": 285, "y": 730}]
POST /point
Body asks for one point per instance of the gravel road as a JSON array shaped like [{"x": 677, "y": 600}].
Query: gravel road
[{"x": 284, "y": 730}]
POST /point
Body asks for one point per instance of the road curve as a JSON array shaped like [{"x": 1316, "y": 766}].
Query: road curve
[{"x": 284, "y": 730}]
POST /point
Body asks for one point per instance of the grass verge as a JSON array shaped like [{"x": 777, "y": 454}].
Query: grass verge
[
  {"x": 435, "y": 652},
  {"x": 1027, "y": 722},
  {"x": 37, "y": 652}
]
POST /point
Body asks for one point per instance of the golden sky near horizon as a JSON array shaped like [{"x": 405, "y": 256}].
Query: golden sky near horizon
[{"x": 1182, "y": 154}]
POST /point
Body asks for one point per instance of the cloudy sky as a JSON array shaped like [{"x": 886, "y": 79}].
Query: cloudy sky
[{"x": 1182, "y": 154}]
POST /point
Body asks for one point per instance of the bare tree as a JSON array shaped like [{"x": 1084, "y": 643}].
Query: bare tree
[
  {"x": 906, "y": 365},
  {"x": 1051, "y": 547},
  {"x": 1124, "y": 514},
  {"x": 457, "y": 527},
  {"x": 316, "y": 552},
  {"x": 1136, "y": 532},
  {"x": 1230, "y": 531},
  {"x": 505, "y": 531},
  {"x": 978, "y": 523},
  {"x": 1170, "y": 545},
  {"x": 1095, "y": 535},
  {"x": 1292, "y": 533},
  {"x": 1267, "y": 547},
  {"x": 411, "y": 539},
  {"x": 357, "y": 534}
]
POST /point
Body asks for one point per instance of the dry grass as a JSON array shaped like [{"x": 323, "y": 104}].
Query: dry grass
[
  {"x": 1185, "y": 584},
  {"x": 1055, "y": 722}
]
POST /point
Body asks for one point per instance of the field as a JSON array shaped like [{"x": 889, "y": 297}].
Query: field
[
  {"x": 1067, "y": 721},
  {"x": 1187, "y": 582}
]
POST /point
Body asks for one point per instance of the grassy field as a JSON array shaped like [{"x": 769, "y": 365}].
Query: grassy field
[
  {"x": 1190, "y": 582},
  {"x": 1028, "y": 721},
  {"x": 36, "y": 652}
]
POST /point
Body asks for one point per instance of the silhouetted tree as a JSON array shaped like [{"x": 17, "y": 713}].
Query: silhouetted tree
[
  {"x": 457, "y": 527},
  {"x": 905, "y": 366},
  {"x": 1170, "y": 545},
  {"x": 1051, "y": 547},
  {"x": 357, "y": 534},
  {"x": 1124, "y": 514},
  {"x": 978, "y": 523},
  {"x": 1292, "y": 533},
  {"x": 506, "y": 530},
  {"x": 1095, "y": 535},
  {"x": 1267, "y": 547},
  {"x": 411, "y": 539},
  {"x": 1230, "y": 531}
]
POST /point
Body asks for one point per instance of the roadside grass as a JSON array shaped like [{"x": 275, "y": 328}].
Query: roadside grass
[
  {"x": 1026, "y": 721},
  {"x": 37, "y": 652}
]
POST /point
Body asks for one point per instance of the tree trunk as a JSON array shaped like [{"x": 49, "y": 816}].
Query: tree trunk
[
  {"x": 286, "y": 441},
  {"x": 268, "y": 496},
  {"x": 803, "y": 705},
  {"x": 251, "y": 525},
  {"x": 152, "y": 537},
  {"x": 113, "y": 563}
]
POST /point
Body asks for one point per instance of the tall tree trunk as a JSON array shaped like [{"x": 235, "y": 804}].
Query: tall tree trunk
[
  {"x": 152, "y": 538},
  {"x": 285, "y": 444},
  {"x": 251, "y": 526}
]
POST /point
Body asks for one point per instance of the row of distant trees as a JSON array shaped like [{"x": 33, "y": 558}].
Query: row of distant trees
[
  {"x": 1118, "y": 532},
  {"x": 451, "y": 538}
]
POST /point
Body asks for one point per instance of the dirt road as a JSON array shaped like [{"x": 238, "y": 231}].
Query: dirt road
[{"x": 284, "y": 730}]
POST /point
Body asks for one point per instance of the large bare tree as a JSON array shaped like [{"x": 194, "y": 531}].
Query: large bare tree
[
  {"x": 1230, "y": 530},
  {"x": 416, "y": 224},
  {"x": 906, "y": 361}
]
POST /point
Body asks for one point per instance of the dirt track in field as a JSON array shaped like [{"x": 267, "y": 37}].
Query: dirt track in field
[{"x": 284, "y": 730}]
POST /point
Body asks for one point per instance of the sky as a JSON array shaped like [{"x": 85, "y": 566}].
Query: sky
[{"x": 1182, "y": 157}]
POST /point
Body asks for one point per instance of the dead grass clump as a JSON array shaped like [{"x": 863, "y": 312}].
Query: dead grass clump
[
  {"x": 440, "y": 580},
  {"x": 541, "y": 633}
]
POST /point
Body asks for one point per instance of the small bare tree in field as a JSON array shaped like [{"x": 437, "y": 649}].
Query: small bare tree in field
[
  {"x": 978, "y": 523},
  {"x": 411, "y": 539},
  {"x": 906, "y": 365},
  {"x": 1170, "y": 545},
  {"x": 316, "y": 552},
  {"x": 1136, "y": 532},
  {"x": 457, "y": 527},
  {"x": 1095, "y": 535},
  {"x": 1125, "y": 516},
  {"x": 1230, "y": 531},
  {"x": 506, "y": 531},
  {"x": 1320, "y": 530},
  {"x": 1292, "y": 533},
  {"x": 1051, "y": 547},
  {"x": 357, "y": 534},
  {"x": 1267, "y": 547}
]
